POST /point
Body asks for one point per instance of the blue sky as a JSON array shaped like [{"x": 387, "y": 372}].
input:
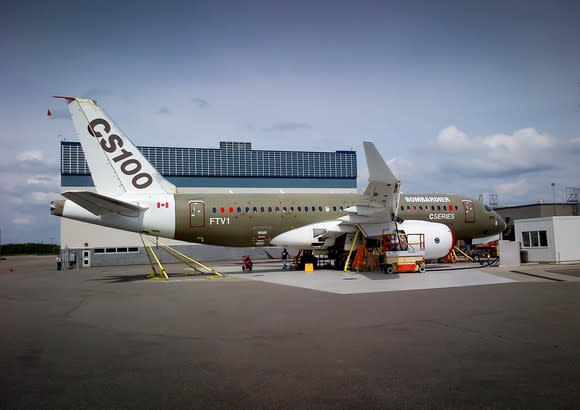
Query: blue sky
[{"x": 473, "y": 98}]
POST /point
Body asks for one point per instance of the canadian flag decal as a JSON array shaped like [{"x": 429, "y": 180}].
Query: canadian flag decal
[{"x": 162, "y": 204}]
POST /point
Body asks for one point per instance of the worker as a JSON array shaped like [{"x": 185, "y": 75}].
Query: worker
[{"x": 285, "y": 255}]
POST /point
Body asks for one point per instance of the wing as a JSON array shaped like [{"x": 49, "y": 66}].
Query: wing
[
  {"x": 374, "y": 212},
  {"x": 102, "y": 205},
  {"x": 378, "y": 204}
]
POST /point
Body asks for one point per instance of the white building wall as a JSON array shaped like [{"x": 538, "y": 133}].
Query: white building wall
[
  {"x": 77, "y": 235},
  {"x": 563, "y": 234},
  {"x": 568, "y": 238}
]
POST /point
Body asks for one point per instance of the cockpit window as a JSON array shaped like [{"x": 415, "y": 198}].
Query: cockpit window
[{"x": 487, "y": 208}]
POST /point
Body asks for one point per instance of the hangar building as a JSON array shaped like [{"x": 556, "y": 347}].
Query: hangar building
[{"x": 233, "y": 167}]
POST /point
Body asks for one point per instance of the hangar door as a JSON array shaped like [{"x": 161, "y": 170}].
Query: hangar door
[{"x": 196, "y": 214}]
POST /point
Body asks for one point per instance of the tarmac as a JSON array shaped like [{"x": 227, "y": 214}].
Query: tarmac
[{"x": 108, "y": 337}]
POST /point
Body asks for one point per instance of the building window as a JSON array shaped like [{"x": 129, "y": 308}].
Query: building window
[{"x": 534, "y": 239}]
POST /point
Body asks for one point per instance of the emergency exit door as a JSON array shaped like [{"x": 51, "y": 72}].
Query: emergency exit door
[
  {"x": 469, "y": 211},
  {"x": 196, "y": 214}
]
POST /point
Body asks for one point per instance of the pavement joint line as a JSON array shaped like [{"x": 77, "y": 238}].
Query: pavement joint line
[{"x": 537, "y": 276}]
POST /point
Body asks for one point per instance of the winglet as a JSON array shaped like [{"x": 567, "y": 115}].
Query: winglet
[
  {"x": 378, "y": 169},
  {"x": 383, "y": 186}
]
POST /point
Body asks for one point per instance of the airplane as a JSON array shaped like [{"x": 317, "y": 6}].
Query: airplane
[{"x": 132, "y": 195}]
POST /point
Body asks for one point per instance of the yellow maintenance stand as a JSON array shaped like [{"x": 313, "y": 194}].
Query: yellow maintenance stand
[{"x": 193, "y": 264}]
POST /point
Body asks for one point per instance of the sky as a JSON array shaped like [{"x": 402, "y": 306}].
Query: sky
[{"x": 476, "y": 98}]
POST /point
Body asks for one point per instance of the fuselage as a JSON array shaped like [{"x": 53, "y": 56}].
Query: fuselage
[
  {"x": 253, "y": 219},
  {"x": 249, "y": 219}
]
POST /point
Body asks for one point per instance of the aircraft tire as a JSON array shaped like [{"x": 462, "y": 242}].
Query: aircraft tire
[{"x": 389, "y": 269}]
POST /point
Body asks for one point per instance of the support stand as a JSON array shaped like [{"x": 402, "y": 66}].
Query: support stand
[{"x": 179, "y": 256}]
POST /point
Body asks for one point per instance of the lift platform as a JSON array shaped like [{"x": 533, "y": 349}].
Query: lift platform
[
  {"x": 195, "y": 266},
  {"x": 403, "y": 252}
]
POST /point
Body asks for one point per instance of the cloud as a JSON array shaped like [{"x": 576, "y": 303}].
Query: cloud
[
  {"x": 43, "y": 197},
  {"x": 524, "y": 151},
  {"x": 288, "y": 126},
  {"x": 30, "y": 156},
  {"x": 401, "y": 167},
  {"x": 95, "y": 92},
  {"x": 200, "y": 103},
  {"x": 22, "y": 220},
  {"x": 41, "y": 180}
]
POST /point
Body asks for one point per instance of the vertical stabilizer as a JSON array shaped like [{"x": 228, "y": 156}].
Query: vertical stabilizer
[{"x": 116, "y": 165}]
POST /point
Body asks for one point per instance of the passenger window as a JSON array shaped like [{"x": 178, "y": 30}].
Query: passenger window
[
  {"x": 341, "y": 208},
  {"x": 334, "y": 208},
  {"x": 214, "y": 210},
  {"x": 432, "y": 207},
  {"x": 269, "y": 209},
  {"x": 299, "y": 209},
  {"x": 438, "y": 207},
  {"x": 277, "y": 209},
  {"x": 255, "y": 209},
  {"x": 445, "y": 207},
  {"x": 291, "y": 209},
  {"x": 239, "y": 210},
  {"x": 313, "y": 209},
  {"x": 261, "y": 209},
  {"x": 402, "y": 208},
  {"x": 247, "y": 209},
  {"x": 284, "y": 209},
  {"x": 320, "y": 209},
  {"x": 305, "y": 209}
]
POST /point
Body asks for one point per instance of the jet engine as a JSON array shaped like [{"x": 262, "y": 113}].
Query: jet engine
[
  {"x": 322, "y": 235},
  {"x": 438, "y": 237}
]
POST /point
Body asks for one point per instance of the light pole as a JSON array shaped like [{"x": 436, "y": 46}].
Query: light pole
[{"x": 554, "y": 197}]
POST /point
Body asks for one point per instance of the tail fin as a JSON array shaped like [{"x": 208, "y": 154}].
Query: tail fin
[{"x": 116, "y": 164}]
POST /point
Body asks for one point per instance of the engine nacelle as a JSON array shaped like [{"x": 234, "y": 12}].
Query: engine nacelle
[
  {"x": 319, "y": 235},
  {"x": 438, "y": 237}
]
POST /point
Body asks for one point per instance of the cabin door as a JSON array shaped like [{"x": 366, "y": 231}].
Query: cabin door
[
  {"x": 469, "y": 211},
  {"x": 196, "y": 214}
]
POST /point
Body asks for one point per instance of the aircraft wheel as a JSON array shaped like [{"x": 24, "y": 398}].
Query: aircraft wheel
[
  {"x": 389, "y": 269},
  {"x": 243, "y": 268},
  {"x": 422, "y": 269}
]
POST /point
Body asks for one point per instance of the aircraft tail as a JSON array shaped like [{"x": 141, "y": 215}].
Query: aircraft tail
[{"x": 116, "y": 165}]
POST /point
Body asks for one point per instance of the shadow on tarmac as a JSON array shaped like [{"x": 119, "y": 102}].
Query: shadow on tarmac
[{"x": 146, "y": 277}]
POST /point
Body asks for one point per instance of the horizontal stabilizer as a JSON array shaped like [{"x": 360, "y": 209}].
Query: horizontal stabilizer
[{"x": 102, "y": 205}]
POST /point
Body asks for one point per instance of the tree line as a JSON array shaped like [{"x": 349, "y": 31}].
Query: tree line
[{"x": 29, "y": 249}]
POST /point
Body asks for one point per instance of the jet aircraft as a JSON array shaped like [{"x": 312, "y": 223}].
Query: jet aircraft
[{"x": 131, "y": 195}]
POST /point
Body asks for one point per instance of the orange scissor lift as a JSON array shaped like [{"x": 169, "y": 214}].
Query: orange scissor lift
[{"x": 403, "y": 252}]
